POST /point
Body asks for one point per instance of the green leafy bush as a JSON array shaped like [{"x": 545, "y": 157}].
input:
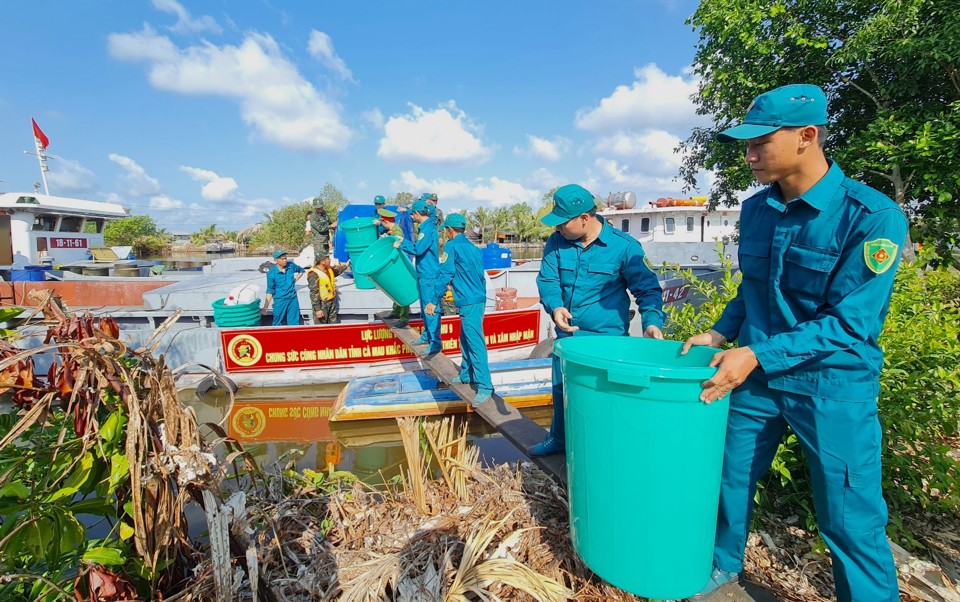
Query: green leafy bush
[{"x": 919, "y": 399}]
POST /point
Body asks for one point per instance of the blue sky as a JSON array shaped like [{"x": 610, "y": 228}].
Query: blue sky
[{"x": 216, "y": 112}]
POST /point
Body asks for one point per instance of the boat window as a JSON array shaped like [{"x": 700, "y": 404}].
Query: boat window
[
  {"x": 726, "y": 222},
  {"x": 28, "y": 200},
  {"x": 45, "y": 223},
  {"x": 71, "y": 223},
  {"x": 94, "y": 226},
  {"x": 689, "y": 224},
  {"x": 670, "y": 225},
  {"x": 708, "y": 223},
  {"x": 625, "y": 225},
  {"x": 645, "y": 224}
]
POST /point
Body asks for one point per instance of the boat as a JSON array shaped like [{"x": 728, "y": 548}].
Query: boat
[
  {"x": 523, "y": 384},
  {"x": 218, "y": 245},
  {"x": 51, "y": 231},
  {"x": 41, "y": 229},
  {"x": 681, "y": 232}
]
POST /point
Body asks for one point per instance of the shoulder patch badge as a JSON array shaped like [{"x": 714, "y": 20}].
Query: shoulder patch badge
[
  {"x": 420, "y": 236},
  {"x": 880, "y": 254}
]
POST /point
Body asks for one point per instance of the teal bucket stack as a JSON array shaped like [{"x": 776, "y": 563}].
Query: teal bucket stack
[
  {"x": 643, "y": 461},
  {"x": 360, "y": 232},
  {"x": 232, "y": 316},
  {"x": 389, "y": 269}
]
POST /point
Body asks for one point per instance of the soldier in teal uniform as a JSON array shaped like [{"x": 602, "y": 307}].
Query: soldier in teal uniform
[
  {"x": 588, "y": 266},
  {"x": 378, "y": 203},
  {"x": 425, "y": 248},
  {"x": 282, "y": 291},
  {"x": 464, "y": 268},
  {"x": 818, "y": 252},
  {"x": 387, "y": 226}
]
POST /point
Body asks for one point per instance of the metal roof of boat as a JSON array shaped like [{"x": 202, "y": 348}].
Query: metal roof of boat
[{"x": 26, "y": 201}]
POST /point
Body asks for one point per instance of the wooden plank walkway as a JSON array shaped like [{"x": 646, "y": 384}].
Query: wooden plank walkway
[
  {"x": 514, "y": 426},
  {"x": 524, "y": 432}
]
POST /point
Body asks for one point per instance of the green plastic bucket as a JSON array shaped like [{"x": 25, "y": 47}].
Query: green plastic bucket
[
  {"x": 354, "y": 252},
  {"x": 360, "y": 232},
  {"x": 242, "y": 314},
  {"x": 390, "y": 270},
  {"x": 643, "y": 461}
]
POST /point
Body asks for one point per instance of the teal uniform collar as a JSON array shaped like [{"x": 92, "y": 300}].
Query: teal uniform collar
[
  {"x": 821, "y": 195},
  {"x": 606, "y": 231}
]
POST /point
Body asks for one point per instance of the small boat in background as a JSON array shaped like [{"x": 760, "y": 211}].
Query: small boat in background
[
  {"x": 218, "y": 245},
  {"x": 522, "y": 383}
]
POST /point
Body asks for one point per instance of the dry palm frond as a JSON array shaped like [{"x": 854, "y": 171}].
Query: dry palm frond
[
  {"x": 416, "y": 475},
  {"x": 476, "y": 577},
  {"x": 456, "y": 459}
]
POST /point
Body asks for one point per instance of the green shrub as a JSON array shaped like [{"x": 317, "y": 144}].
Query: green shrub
[{"x": 919, "y": 401}]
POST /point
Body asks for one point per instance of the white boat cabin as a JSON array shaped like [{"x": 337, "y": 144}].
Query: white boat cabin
[
  {"x": 660, "y": 225},
  {"x": 42, "y": 229}
]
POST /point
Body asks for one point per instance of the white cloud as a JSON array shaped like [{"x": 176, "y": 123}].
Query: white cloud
[
  {"x": 545, "y": 180},
  {"x": 321, "y": 48},
  {"x": 654, "y": 100},
  {"x": 481, "y": 191},
  {"x": 162, "y": 201},
  {"x": 443, "y": 135},
  {"x": 135, "y": 180},
  {"x": 185, "y": 24},
  {"x": 548, "y": 150},
  {"x": 375, "y": 117},
  {"x": 216, "y": 187},
  {"x": 612, "y": 176},
  {"x": 653, "y": 150},
  {"x": 70, "y": 178},
  {"x": 275, "y": 100}
]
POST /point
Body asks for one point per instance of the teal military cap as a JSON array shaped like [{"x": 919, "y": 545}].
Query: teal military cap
[
  {"x": 379, "y": 200},
  {"x": 568, "y": 202},
  {"x": 795, "y": 105},
  {"x": 279, "y": 253},
  {"x": 425, "y": 197},
  {"x": 419, "y": 205},
  {"x": 455, "y": 220}
]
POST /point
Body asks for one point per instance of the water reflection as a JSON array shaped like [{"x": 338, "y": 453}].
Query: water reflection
[{"x": 291, "y": 424}]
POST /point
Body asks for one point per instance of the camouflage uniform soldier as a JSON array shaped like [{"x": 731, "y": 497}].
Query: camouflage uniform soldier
[
  {"x": 320, "y": 226},
  {"x": 321, "y": 282}
]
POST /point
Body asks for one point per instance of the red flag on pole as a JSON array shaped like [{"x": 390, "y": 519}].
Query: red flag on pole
[{"x": 44, "y": 141}]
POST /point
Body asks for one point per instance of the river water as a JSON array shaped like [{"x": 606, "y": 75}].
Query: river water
[{"x": 298, "y": 430}]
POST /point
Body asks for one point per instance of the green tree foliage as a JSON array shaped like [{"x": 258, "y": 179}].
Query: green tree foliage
[
  {"x": 402, "y": 199},
  {"x": 125, "y": 231},
  {"x": 206, "y": 234},
  {"x": 138, "y": 231},
  {"x": 919, "y": 399},
  {"x": 891, "y": 70},
  {"x": 283, "y": 227},
  {"x": 332, "y": 199}
]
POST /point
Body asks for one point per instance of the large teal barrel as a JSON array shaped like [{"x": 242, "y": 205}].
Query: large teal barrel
[
  {"x": 390, "y": 270},
  {"x": 643, "y": 461},
  {"x": 359, "y": 231},
  {"x": 241, "y": 314}
]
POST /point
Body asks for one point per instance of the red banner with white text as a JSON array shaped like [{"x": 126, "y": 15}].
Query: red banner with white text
[{"x": 279, "y": 347}]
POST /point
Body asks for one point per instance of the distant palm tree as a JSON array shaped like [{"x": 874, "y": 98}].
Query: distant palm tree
[{"x": 205, "y": 235}]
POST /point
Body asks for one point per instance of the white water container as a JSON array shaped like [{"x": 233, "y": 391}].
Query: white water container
[
  {"x": 242, "y": 295},
  {"x": 622, "y": 200}
]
